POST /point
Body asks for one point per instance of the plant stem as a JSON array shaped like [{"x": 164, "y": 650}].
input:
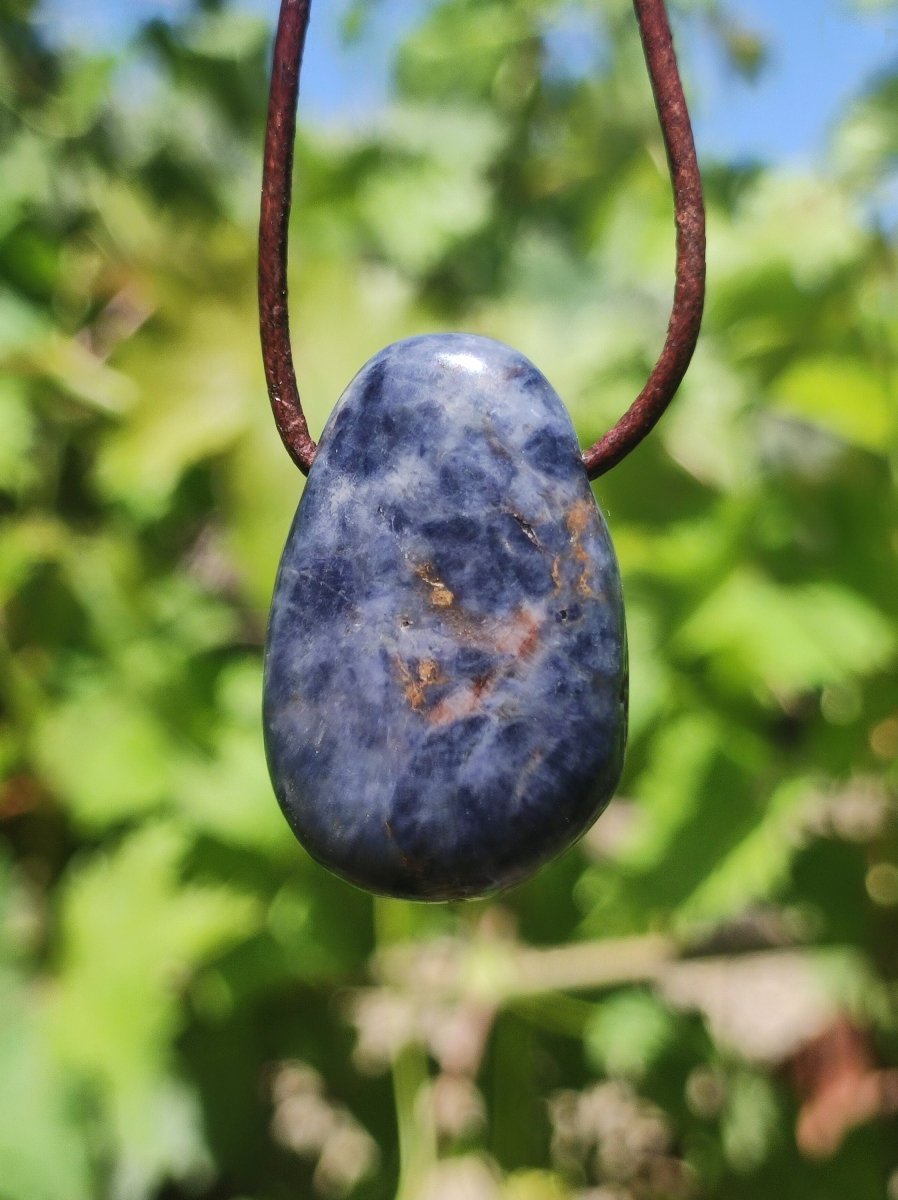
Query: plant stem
[
  {"x": 417, "y": 1137},
  {"x": 414, "y": 1121}
]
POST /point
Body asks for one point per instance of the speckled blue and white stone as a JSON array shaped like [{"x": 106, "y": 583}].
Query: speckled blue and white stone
[{"x": 445, "y": 675}]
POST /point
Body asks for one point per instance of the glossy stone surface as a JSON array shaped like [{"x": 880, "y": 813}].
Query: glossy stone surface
[{"x": 445, "y": 675}]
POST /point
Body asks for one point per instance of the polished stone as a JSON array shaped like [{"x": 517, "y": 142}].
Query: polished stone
[{"x": 445, "y": 674}]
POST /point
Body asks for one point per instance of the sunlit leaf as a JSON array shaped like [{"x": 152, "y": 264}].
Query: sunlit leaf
[
  {"x": 106, "y": 756},
  {"x": 752, "y": 631},
  {"x": 17, "y": 432},
  {"x": 229, "y": 794},
  {"x": 43, "y": 1143},
  {"x": 628, "y": 1032},
  {"x": 132, "y": 934},
  {"x": 193, "y": 407},
  {"x": 759, "y": 862},
  {"x": 432, "y": 191},
  {"x": 845, "y": 396},
  {"x": 804, "y": 224},
  {"x": 751, "y": 1120}
]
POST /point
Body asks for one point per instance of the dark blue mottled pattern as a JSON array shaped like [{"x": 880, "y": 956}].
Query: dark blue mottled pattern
[{"x": 445, "y": 677}]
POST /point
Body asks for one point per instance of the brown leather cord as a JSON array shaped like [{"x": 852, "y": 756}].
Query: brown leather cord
[
  {"x": 277, "y": 187},
  {"x": 689, "y": 290}
]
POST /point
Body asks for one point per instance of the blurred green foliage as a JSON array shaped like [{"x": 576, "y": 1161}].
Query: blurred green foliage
[{"x": 700, "y": 1000}]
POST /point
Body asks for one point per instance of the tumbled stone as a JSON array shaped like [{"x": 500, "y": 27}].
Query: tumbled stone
[{"x": 445, "y": 674}]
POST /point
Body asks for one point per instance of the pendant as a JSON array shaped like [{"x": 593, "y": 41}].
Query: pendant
[{"x": 446, "y": 667}]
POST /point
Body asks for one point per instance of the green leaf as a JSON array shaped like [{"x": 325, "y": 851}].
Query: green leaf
[
  {"x": 805, "y": 224},
  {"x": 83, "y": 95},
  {"x": 432, "y": 191},
  {"x": 26, "y": 166},
  {"x": 706, "y": 432},
  {"x": 865, "y": 142},
  {"x": 460, "y": 49},
  {"x": 756, "y": 634},
  {"x": 759, "y": 862},
  {"x": 229, "y": 35},
  {"x": 844, "y": 396},
  {"x": 672, "y": 789},
  {"x": 193, "y": 406},
  {"x": 627, "y": 1033},
  {"x": 106, "y": 756},
  {"x": 650, "y": 678},
  {"x": 17, "y": 435},
  {"x": 43, "y": 1143},
  {"x": 229, "y": 795},
  {"x": 534, "y": 1185},
  {"x": 21, "y": 324},
  {"x": 751, "y": 1121},
  {"x": 131, "y": 936},
  {"x": 82, "y": 375}
]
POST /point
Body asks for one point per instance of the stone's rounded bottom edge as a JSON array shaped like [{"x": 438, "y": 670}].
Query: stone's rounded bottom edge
[
  {"x": 379, "y": 872},
  {"x": 373, "y": 861},
  {"x": 436, "y": 895},
  {"x": 423, "y": 888}
]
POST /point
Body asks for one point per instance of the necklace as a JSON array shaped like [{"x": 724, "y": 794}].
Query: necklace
[{"x": 445, "y": 672}]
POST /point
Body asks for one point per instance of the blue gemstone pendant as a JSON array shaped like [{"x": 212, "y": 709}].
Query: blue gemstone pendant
[{"x": 446, "y": 668}]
